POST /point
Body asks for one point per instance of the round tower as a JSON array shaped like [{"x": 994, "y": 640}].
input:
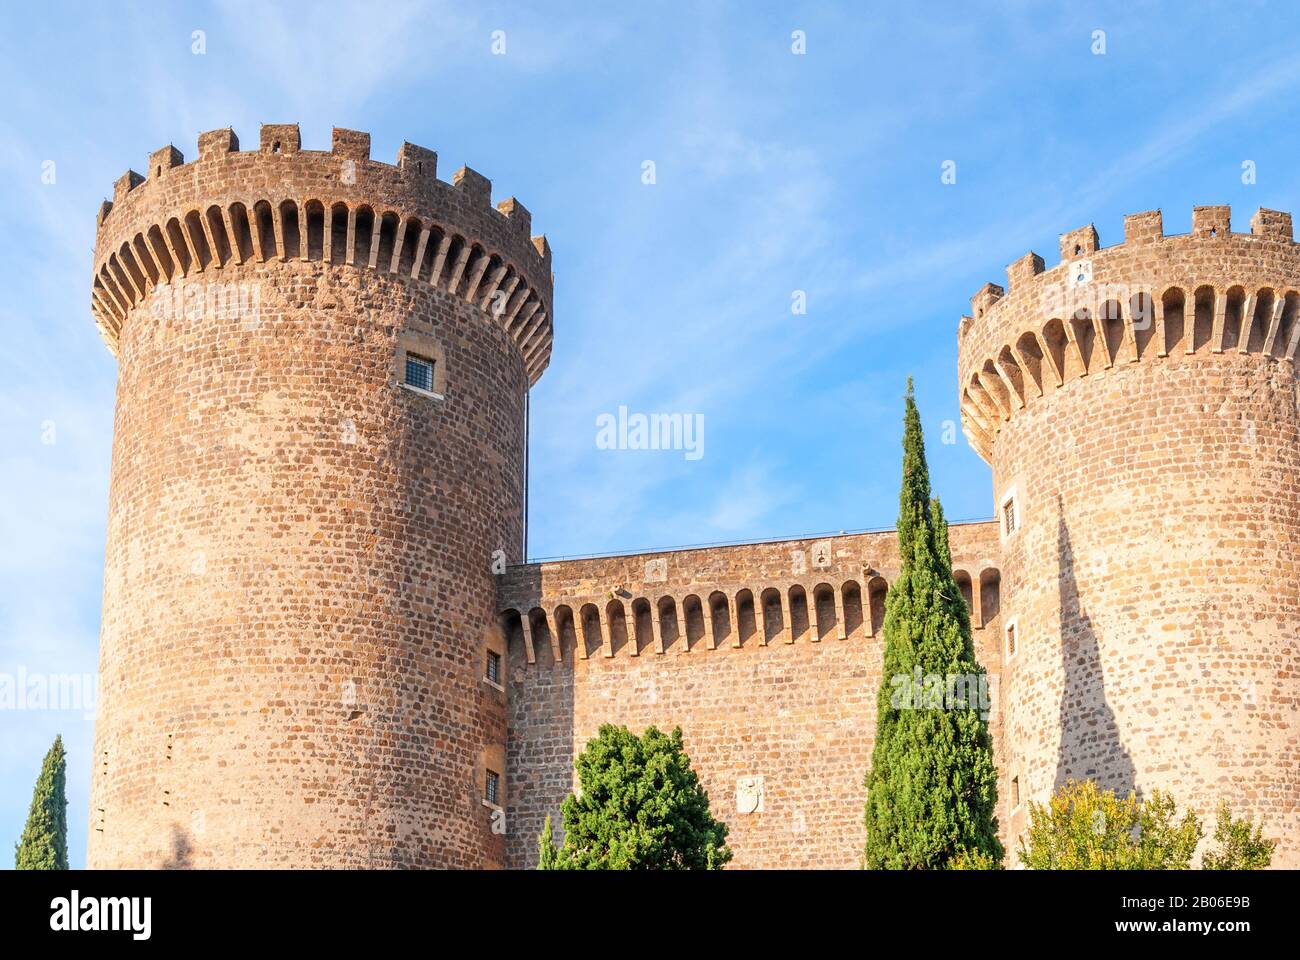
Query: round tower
[
  {"x": 1138, "y": 406},
  {"x": 318, "y": 465}
]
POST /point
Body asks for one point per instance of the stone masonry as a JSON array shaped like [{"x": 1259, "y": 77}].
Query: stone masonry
[{"x": 319, "y": 647}]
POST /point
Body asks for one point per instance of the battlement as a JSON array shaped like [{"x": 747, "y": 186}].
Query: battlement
[
  {"x": 231, "y": 208},
  {"x": 1151, "y": 296},
  {"x": 725, "y": 597}
]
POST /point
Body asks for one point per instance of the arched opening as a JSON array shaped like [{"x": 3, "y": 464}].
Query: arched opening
[
  {"x": 1055, "y": 342},
  {"x": 410, "y": 246},
  {"x": 851, "y": 599},
  {"x": 1112, "y": 325},
  {"x": 127, "y": 259},
  {"x": 289, "y": 224},
  {"x": 314, "y": 213},
  {"x": 566, "y": 629},
  {"x": 746, "y": 621},
  {"x": 589, "y": 619},
  {"x": 178, "y": 244},
  {"x": 1262, "y": 321},
  {"x": 720, "y": 618},
  {"x": 243, "y": 232},
  {"x": 799, "y": 614},
  {"x": 159, "y": 248},
  {"x": 539, "y": 625},
  {"x": 1010, "y": 368},
  {"x": 338, "y": 233},
  {"x": 1142, "y": 312},
  {"x": 877, "y": 590},
  {"x": 693, "y": 610},
  {"x": 217, "y": 227},
  {"x": 143, "y": 257},
  {"x": 1232, "y": 318},
  {"x": 669, "y": 631},
  {"x": 1031, "y": 356},
  {"x": 430, "y": 256},
  {"x": 1175, "y": 305},
  {"x": 362, "y": 232},
  {"x": 1085, "y": 339},
  {"x": 1202, "y": 317},
  {"x": 643, "y": 627},
  {"x": 265, "y": 230},
  {"x": 387, "y": 240},
  {"x": 616, "y": 617},
  {"x": 458, "y": 249},
  {"x": 964, "y": 587},
  {"x": 773, "y": 618},
  {"x": 1286, "y": 331},
  {"x": 990, "y": 586},
  {"x": 824, "y": 620},
  {"x": 198, "y": 242}
]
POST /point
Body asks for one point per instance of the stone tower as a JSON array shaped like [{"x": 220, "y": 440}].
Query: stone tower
[
  {"x": 323, "y": 364},
  {"x": 1138, "y": 407}
]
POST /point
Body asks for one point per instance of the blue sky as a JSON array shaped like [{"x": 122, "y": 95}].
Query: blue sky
[{"x": 774, "y": 173}]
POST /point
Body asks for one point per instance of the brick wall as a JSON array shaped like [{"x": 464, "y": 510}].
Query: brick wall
[{"x": 782, "y": 715}]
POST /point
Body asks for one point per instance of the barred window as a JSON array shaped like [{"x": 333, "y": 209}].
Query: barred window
[
  {"x": 492, "y": 788},
  {"x": 494, "y": 666},
  {"x": 419, "y": 372},
  {"x": 1009, "y": 515}
]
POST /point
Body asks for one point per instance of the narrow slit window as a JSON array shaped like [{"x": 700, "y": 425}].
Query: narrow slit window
[
  {"x": 1009, "y": 516},
  {"x": 1015, "y": 793},
  {"x": 492, "y": 786},
  {"x": 493, "y": 667},
  {"x": 419, "y": 373},
  {"x": 1012, "y": 640}
]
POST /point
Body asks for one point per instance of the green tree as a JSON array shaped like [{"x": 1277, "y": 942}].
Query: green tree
[
  {"x": 932, "y": 787},
  {"x": 640, "y": 807},
  {"x": 44, "y": 845},
  {"x": 1240, "y": 845},
  {"x": 1085, "y": 828},
  {"x": 548, "y": 858}
]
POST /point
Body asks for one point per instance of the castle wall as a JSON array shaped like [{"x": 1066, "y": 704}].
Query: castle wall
[
  {"x": 776, "y": 698},
  {"x": 298, "y": 593},
  {"x": 1154, "y": 458}
]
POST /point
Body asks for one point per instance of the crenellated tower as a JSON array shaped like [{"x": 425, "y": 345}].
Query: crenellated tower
[
  {"x": 323, "y": 363},
  {"x": 1138, "y": 406}
]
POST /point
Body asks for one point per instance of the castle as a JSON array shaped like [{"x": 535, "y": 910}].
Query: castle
[{"x": 320, "y": 647}]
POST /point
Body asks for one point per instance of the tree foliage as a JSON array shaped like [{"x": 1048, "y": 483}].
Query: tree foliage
[
  {"x": 44, "y": 843},
  {"x": 1084, "y": 827},
  {"x": 640, "y": 806},
  {"x": 932, "y": 787}
]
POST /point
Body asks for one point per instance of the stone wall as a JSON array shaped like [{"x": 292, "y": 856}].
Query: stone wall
[{"x": 776, "y": 698}]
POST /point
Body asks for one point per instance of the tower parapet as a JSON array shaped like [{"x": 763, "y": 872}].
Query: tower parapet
[
  {"x": 1138, "y": 406},
  {"x": 318, "y": 458},
  {"x": 1144, "y": 299},
  {"x": 338, "y": 207}
]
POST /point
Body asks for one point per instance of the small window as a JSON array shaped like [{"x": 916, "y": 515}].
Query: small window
[
  {"x": 492, "y": 788},
  {"x": 1009, "y": 516},
  {"x": 419, "y": 373},
  {"x": 1013, "y": 639},
  {"x": 493, "y": 667},
  {"x": 1015, "y": 793}
]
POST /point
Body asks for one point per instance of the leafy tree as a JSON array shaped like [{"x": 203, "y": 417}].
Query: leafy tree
[
  {"x": 548, "y": 857},
  {"x": 44, "y": 844},
  {"x": 640, "y": 807},
  {"x": 1086, "y": 828},
  {"x": 932, "y": 787},
  {"x": 1240, "y": 844}
]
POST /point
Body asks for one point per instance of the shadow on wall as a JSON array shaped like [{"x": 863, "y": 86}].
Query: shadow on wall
[
  {"x": 539, "y": 745},
  {"x": 182, "y": 851},
  {"x": 1090, "y": 743}
]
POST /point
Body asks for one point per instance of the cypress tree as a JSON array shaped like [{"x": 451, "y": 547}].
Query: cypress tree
[
  {"x": 932, "y": 787},
  {"x": 44, "y": 845}
]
